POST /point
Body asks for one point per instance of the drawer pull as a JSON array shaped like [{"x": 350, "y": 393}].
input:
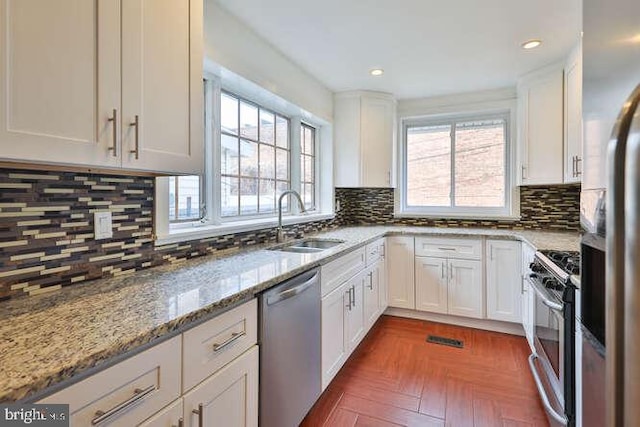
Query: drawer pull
[
  {"x": 446, "y": 249},
  {"x": 234, "y": 337},
  {"x": 139, "y": 395},
  {"x": 200, "y": 413}
]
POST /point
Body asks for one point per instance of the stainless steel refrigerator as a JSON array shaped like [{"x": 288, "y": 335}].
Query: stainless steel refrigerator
[{"x": 610, "y": 206}]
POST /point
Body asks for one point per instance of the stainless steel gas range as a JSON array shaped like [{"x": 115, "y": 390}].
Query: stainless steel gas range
[{"x": 553, "y": 362}]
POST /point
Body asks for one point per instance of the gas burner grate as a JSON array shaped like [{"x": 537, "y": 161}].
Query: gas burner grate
[{"x": 445, "y": 341}]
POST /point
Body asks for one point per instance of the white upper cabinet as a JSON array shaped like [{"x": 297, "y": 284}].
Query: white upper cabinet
[
  {"x": 573, "y": 116},
  {"x": 540, "y": 128},
  {"x": 364, "y": 139},
  {"x": 79, "y": 72},
  {"x": 162, "y": 85},
  {"x": 504, "y": 280},
  {"x": 60, "y": 66}
]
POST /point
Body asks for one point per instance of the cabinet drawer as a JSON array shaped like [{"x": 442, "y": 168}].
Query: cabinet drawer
[
  {"x": 374, "y": 251},
  {"x": 127, "y": 393},
  {"x": 210, "y": 346},
  {"x": 449, "y": 248},
  {"x": 338, "y": 271}
]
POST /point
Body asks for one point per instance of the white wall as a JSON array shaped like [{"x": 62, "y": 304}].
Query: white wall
[
  {"x": 459, "y": 103},
  {"x": 232, "y": 45}
]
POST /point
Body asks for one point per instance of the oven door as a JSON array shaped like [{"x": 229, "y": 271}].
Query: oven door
[{"x": 547, "y": 363}]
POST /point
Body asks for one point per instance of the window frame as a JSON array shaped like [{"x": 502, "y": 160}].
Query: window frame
[
  {"x": 510, "y": 210},
  {"x": 218, "y": 148},
  {"x": 212, "y": 224}
]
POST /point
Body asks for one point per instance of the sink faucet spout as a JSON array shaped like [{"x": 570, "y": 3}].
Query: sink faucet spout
[{"x": 280, "y": 233}]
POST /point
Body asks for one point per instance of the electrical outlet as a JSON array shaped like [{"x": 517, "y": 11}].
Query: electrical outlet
[
  {"x": 102, "y": 225},
  {"x": 337, "y": 205}
]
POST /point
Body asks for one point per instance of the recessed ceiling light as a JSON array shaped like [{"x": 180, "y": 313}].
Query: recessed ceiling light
[
  {"x": 531, "y": 44},
  {"x": 377, "y": 72}
]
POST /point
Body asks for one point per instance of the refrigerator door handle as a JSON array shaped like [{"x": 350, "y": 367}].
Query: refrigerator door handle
[
  {"x": 615, "y": 259},
  {"x": 631, "y": 296}
]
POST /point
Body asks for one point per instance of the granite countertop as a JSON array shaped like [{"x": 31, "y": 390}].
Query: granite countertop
[{"x": 52, "y": 340}]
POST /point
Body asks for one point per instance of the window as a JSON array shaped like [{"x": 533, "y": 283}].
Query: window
[
  {"x": 184, "y": 198},
  {"x": 254, "y": 152},
  {"x": 254, "y": 157},
  {"x": 308, "y": 166},
  {"x": 457, "y": 166}
]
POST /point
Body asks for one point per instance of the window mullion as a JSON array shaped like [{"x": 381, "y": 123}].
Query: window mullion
[
  {"x": 452, "y": 192},
  {"x": 295, "y": 158}
]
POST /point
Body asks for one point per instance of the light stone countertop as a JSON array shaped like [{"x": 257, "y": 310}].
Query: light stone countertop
[{"x": 50, "y": 341}]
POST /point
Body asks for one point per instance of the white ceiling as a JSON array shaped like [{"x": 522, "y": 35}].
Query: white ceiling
[{"x": 426, "y": 47}]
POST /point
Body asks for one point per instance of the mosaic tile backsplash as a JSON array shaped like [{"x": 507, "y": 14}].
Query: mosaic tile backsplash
[
  {"x": 47, "y": 241},
  {"x": 46, "y": 230},
  {"x": 554, "y": 208}
]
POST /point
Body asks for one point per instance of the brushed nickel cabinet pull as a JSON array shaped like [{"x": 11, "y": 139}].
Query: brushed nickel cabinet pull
[
  {"x": 353, "y": 289},
  {"x": 139, "y": 394},
  {"x": 442, "y": 271},
  {"x": 578, "y": 169},
  {"x": 524, "y": 169},
  {"x": 200, "y": 413},
  {"x": 370, "y": 280},
  {"x": 136, "y": 124},
  {"x": 114, "y": 120},
  {"x": 234, "y": 337}
]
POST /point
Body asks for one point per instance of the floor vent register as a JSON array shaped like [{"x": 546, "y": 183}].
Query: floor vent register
[{"x": 445, "y": 341}]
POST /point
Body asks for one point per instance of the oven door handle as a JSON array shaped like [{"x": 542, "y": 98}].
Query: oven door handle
[
  {"x": 545, "y": 299},
  {"x": 561, "y": 419}
]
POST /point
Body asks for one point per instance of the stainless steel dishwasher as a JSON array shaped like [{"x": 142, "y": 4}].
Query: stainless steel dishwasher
[{"x": 290, "y": 370}]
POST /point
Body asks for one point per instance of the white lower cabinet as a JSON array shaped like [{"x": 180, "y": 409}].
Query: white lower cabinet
[
  {"x": 432, "y": 284},
  {"x": 466, "y": 296},
  {"x": 355, "y": 311},
  {"x": 334, "y": 338},
  {"x": 349, "y": 311},
  {"x": 127, "y": 393},
  {"x": 372, "y": 296},
  {"x": 449, "y": 286},
  {"x": 147, "y": 389},
  {"x": 171, "y": 416},
  {"x": 227, "y": 398},
  {"x": 400, "y": 272},
  {"x": 527, "y": 296},
  {"x": 504, "y": 280}
]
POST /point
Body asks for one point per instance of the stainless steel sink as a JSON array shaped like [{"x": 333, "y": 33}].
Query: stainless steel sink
[{"x": 308, "y": 245}]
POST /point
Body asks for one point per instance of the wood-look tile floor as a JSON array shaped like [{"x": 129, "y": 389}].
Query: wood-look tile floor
[{"x": 396, "y": 378}]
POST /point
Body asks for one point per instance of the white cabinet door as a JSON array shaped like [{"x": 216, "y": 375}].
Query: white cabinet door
[
  {"x": 334, "y": 340},
  {"x": 573, "y": 116},
  {"x": 365, "y": 132},
  {"x": 400, "y": 272},
  {"x": 355, "y": 313},
  {"x": 377, "y": 140},
  {"x": 528, "y": 301},
  {"x": 540, "y": 98},
  {"x": 168, "y": 417},
  {"x": 60, "y": 77},
  {"x": 371, "y": 296},
  {"x": 162, "y": 86},
  {"x": 227, "y": 398},
  {"x": 466, "y": 293},
  {"x": 431, "y": 284},
  {"x": 504, "y": 280},
  {"x": 382, "y": 275}
]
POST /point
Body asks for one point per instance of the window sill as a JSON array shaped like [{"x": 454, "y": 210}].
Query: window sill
[
  {"x": 468, "y": 216},
  {"x": 203, "y": 231}
]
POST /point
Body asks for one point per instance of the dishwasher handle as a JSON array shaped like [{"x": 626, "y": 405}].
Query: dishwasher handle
[{"x": 292, "y": 292}]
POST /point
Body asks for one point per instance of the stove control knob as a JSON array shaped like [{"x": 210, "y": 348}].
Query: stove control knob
[{"x": 536, "y": 268}]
